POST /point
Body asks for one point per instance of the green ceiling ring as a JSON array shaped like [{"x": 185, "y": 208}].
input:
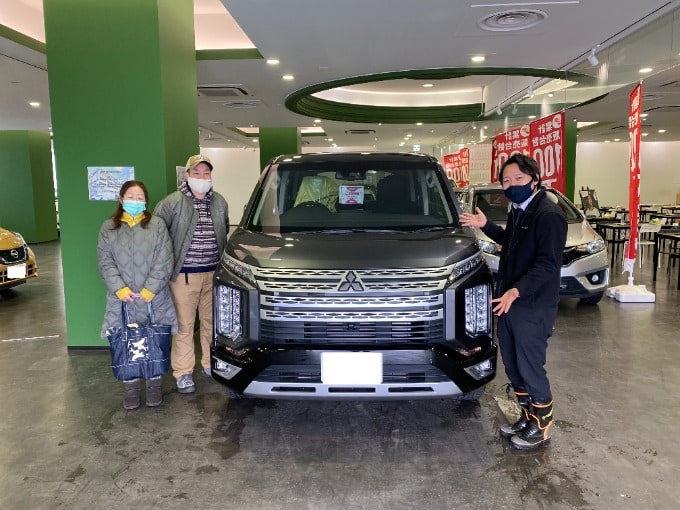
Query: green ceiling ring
[{"x": 304, "y": 103}]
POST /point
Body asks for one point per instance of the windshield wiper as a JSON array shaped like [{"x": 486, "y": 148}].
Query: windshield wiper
[{"x": 430, "y": 229}]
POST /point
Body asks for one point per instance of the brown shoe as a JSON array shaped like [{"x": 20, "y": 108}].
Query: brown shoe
[
  {"x": 131, "y": 394},
  {"x": 154, "y": 396}
]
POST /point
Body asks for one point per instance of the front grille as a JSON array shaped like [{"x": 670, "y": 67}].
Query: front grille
[
  {"x": 343, "y": 333},
  {"x": 351, "y": 307},
  {"x": 13, "y": 255}
]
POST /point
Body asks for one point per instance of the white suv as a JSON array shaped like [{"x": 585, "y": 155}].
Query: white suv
[{"x": 585, "y": 265}]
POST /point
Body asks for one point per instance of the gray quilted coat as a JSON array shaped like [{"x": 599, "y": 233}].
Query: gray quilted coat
[{"x": 136, "y": 258}]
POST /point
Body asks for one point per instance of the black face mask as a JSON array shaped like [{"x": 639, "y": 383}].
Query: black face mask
[{"x": 518, "y": 194}]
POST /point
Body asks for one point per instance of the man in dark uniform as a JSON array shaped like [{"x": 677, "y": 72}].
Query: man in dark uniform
[{"x": 526, "y": 293}]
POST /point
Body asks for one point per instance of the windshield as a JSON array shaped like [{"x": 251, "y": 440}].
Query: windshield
[
  {"x": 495, "y": 206},
  {"x": 357, "y": 196}
]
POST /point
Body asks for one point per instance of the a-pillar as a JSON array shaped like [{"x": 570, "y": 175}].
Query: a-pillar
[
  {"x": 122, "y": 80},
  {"x": 277, "y": 141},
  {"x": 27, "y": 190}
]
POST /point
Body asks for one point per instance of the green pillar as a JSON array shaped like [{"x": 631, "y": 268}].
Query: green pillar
[
  {"x": 277, "y": 141},
  {"x": 27, "y": 195},
  {"x": 122, "y": 78},
  {"x": 570, "y": 131}
]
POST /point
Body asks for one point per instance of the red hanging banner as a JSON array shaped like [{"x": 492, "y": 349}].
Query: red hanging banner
[
  {"x": 547, "y": 148},
  {"x": 505, "y": 145},
  {"x": 634, "y": 111},
  {"x": 543, "y": 140},
  {"x": 457, "y": 167}
]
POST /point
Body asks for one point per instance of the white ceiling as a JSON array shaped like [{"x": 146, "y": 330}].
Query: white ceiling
[{"x": 322, "y": 40}]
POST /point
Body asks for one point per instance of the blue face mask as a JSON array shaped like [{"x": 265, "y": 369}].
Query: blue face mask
[
  {"x": 133, "y": 208},
  {"x": 518, "y": 194}
]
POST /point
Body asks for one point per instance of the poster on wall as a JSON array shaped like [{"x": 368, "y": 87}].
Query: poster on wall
[
  {"x": 104, "y": 182},
  {"x": 543, "y": 140},
  {"x": 634, "y": 111},
  {"x": 505, "y": 145}
]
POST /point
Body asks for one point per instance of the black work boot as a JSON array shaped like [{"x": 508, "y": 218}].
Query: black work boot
[
  {"x": 524, "y": 401},
  {"x": 131, "y": 394},
  {"x": 154, "y": 396},
  {"x": 539, "y": 431}
]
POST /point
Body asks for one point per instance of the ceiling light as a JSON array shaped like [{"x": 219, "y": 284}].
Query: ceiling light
[
  {"x": 478, "y": 59},
  {"x": 317, "y": 120},
  {"x": 532, "y": 116},
  {"x": 550, "y": 94},
  {"x": 661, "y": 131},
  {"x": 645, "y": 134},
  {"x": 428, "y": 85},
  {"x": 593, "y": 59},
  {"x": 288, "y": 77},
  {"x": 644, "y": 115},
  {"x": 646, "y": 70},
  {"x": 273, "y": 61},
  {"x": 34, "y": 104},
  {"x": 419, "y": 123},
  {"x": 617, "y": 139}
]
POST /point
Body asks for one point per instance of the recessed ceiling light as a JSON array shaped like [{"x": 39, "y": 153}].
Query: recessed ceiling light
[
  {"x": 478, "y": 59},
  {"x": 330, "y": 139},
  {"x": 428, "y": 85},
  {"x": 644, "y": 115},
  {"x": 617, "y": 139},
  {"x": 661, "y": 131},
  {"x": 256, "y": 140},
  {"x": 532, "y": 116},
  {"x": 607, "y": 141},
  {"x": 317, "y": 120},
  {"x": 273, "y": 61},
  {"x": 645, "y": 134},
  {"x": 419, "y": 123},
  {"x": 288, "y": 77},
  {"x": 646, "y": 70},
  {"x": 34, "y": 104}
]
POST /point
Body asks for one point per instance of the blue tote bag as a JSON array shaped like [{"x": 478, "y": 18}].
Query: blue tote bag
[{"x": 139, "y": 351}]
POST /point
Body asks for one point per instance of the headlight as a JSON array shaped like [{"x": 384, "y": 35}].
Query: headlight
[
  {"x": 239, "y": 269},
  {"x": 478, "y": 310},
  {"x": 229, "y": 316},
  {"x": 464, "y": 267},
  {"x": 489, "y": 247},
  {"x": 592, "y": 246},
  {"x": 20, "y": 237}
]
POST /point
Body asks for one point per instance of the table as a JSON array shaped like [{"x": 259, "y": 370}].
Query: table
[
  {"x": 646, "y": 211},
  {"x": 665, "y": 241},
  {"x": 615, "y": 235},
  {"x": 597, "y": 221},
  {"x": 672, "y": 209},
  {"x": 670, "y": 218}
]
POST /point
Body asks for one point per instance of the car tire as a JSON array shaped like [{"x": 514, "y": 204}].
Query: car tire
[
  {"x": 592, "y": 300},
  {"x": 472, "y": 396}
]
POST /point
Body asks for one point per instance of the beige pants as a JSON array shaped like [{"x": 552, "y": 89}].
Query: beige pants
[{"x": 189, "y": 297}]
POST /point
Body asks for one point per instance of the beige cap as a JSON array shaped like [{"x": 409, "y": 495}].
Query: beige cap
[{"x": 194, "y": 161}]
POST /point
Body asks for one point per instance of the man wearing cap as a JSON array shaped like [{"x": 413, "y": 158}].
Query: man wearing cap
[{"x": 197, "y": 218}]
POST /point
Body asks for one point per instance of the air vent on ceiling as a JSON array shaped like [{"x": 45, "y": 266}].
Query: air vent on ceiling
[
  {"x": 222, "y": 91},
  {"x": 618, "y": 128},
  {"x": 251, "y": 103},
  {"x": 675, "y": 84},
  {"x": 360, "y": 131},
  {"x": 671, "y": 108}
]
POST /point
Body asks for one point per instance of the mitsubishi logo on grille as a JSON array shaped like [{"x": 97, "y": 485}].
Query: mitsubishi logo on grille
[
  {"x": 351, "y": 282},
  {"x": 14, "y": 254}
]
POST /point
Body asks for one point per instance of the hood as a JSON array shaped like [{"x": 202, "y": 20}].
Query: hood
[
  {"x": 578, "y": 232},
  {"x": 354, "y": 250},
  {"x": 9, "y": 240}
]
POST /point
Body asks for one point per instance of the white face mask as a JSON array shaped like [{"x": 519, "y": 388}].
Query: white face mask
[{"x": 199, "y": 185}]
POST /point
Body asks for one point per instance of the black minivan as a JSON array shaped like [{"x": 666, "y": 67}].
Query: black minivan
[{"x": 350, "y": 276}]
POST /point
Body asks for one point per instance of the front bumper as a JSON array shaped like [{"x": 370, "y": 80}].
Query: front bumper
[{"x": 435, "y": 372}]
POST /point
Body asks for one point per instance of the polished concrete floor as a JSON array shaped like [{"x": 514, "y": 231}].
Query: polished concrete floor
[{"x": 66, "y": 441}]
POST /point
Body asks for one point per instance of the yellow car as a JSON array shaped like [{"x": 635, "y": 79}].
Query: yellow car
[{"x": 17, "y": 261}]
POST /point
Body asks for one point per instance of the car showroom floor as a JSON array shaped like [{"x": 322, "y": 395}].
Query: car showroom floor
[{"x": 67, "y": 442}]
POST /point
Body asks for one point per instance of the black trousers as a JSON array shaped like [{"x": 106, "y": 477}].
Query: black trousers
[{"x": 523, "y": 339}]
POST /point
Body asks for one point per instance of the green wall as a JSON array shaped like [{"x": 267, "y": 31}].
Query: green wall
[
  {"x": 122, "y": 79},
  {"x": 277, "y": 141},
  {"x": 27, "y": 192}
]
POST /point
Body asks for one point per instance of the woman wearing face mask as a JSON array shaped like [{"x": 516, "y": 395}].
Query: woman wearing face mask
[
  {"x": 526, "y": 294},
  {"x": 197, "y": 218},
  {"x": 134, "y": 255}
]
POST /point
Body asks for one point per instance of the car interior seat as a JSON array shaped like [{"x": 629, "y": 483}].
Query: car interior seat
[{"x": 393, "y": 196}]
